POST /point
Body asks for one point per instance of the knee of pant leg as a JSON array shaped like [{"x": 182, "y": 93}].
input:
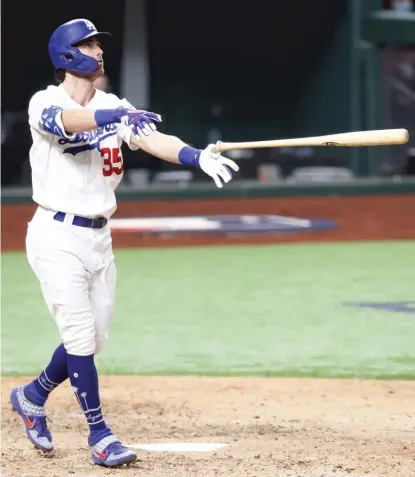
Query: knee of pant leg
[
  {"x": 77, "y": 329},
  {"x": 79, "y": 345},
  {"x": 100, "y": 340}
]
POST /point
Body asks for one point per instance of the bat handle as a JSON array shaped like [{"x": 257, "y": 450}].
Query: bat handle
[{"x": 218, "y": 146}]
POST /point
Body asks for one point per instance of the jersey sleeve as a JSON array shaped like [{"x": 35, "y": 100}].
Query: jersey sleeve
[{"x": 45, "y": 117}]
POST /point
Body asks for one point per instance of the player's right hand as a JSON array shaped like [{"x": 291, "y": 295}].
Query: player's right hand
[{"x": 141, "y": 122}]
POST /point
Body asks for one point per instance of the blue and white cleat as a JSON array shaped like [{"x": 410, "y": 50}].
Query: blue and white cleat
[
  {"x": 34, "y": 419},
  {"x": 109, "y": 452}
]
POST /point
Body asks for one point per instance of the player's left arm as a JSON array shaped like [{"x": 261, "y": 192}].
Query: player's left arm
[{"x": 173, "y": 149}]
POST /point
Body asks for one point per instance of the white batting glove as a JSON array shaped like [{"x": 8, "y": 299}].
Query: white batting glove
[
  {"x": 140, "y": 122},
  {"x": 216, "y": 166}
]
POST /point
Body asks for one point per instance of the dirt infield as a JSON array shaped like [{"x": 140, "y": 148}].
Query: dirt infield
[
  {"x": 272, "y": 427},
  {"x": 358, "y": 218}
]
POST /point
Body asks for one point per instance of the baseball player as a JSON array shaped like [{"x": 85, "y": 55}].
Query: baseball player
[{"x": 76, "y": 162}]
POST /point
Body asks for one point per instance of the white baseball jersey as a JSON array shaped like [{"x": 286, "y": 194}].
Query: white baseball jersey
[{"x": 75, "y": 173}]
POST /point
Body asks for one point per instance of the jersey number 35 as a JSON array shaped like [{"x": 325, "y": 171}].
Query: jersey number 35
[{"x": 113, "y": 163}]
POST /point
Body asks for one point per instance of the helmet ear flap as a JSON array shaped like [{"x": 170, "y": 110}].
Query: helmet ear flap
[
  {"x": 78, "y": 62},
  {"x": 68, "y": 56}
]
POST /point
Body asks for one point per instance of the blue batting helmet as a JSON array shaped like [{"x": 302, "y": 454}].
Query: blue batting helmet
[{"x": 64, "y": 54}]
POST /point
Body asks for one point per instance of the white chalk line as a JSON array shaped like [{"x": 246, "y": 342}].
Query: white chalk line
[{"x": 179, "y": 446}]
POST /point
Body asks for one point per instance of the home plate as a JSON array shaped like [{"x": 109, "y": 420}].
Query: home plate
[{"x": 179, "y": 446}]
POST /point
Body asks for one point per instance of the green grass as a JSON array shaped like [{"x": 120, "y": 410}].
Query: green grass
[{"x": 254, "y": 310}]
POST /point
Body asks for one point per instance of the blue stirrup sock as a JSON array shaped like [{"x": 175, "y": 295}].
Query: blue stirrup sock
[
  {"x": 84, "y": 380},
  {"x": 55, "y": 373}
]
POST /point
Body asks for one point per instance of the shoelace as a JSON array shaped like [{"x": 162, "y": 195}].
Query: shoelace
[
  {"x": 45, "y": 431},
  {"x": 116, "y": 448}
]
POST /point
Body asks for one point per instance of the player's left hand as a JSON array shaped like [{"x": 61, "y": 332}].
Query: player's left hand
[
  {"x": 141, "y": 122},
  {"x": 216, "y": 166}
]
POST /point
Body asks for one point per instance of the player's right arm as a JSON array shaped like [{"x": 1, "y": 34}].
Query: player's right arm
[
  {"x": 78, "y": 120},
  {"x": 49, "y": 118}
]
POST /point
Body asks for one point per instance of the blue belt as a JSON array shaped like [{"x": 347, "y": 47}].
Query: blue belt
[{"x": 96, "y": 223}]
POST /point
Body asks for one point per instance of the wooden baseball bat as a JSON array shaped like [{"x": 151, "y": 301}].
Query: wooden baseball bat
[{"x": 378, "y": 137}]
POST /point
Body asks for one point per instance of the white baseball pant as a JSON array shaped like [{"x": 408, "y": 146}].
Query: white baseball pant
[{"x": 76, "y": 270}]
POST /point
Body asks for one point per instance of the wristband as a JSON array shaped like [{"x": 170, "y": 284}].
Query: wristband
[
  {"x": 103, "y": 117},
  {"x": 189, "y": 156}
]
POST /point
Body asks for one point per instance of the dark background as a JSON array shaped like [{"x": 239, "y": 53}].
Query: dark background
[
  {"x": 250, "y": 71},
  {"x": 216, "y": 48},
  {"x": 251, "y": 62}
]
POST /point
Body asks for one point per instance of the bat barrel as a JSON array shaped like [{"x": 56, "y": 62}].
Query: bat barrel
[{"x": 378, "y": 137}]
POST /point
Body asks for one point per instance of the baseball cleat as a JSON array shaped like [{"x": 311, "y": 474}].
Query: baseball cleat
[
  {"x": 109, "y": 452},
  {"x": 34, "y": 419}
]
